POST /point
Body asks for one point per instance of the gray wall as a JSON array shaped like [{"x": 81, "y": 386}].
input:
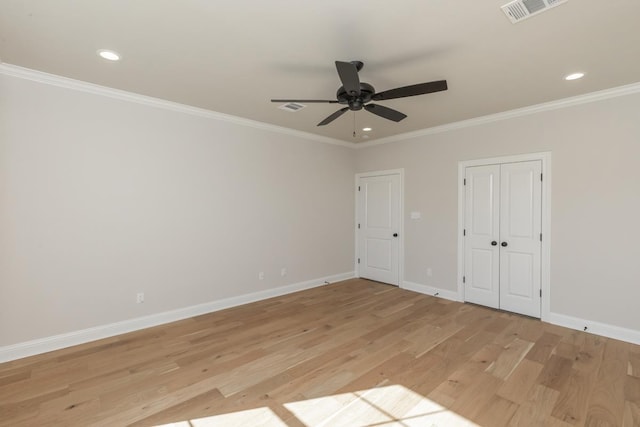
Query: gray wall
[
  {"x": 102, "y": 198},
  {"x": 595, "y": 268}
]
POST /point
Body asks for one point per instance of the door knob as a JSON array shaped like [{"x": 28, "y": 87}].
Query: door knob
[
  {"x": 395, "y": 234},
  {"x": 503, "y": 244},
  {"x": 494, "y": 243}
]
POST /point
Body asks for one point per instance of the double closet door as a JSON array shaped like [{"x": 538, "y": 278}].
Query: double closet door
[{"x": 502, "y": 236}]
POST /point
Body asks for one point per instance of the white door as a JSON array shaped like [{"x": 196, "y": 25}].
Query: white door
[
  {"x": 482, "y": 232},
  {"x": 520, "y": 238},
  {"x": 379, "y": 228},
  {"x": 503, "y": 214}
]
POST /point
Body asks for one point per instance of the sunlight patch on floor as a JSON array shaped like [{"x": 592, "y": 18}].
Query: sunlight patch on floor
[
  {"x": 251, "y": 417},
  {"x": 392, "y": 405},
  {"x": 386, "y": 406}
]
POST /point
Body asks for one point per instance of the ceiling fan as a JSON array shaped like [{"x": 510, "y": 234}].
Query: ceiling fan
[{"x": 358, "y": 95}]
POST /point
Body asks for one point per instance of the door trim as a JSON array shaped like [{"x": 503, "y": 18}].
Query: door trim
[
  {"x": 400, "y": 172},
  {"x": 545, "y": 259}
]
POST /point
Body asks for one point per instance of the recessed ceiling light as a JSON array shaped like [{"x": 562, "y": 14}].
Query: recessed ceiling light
[
  {"x": 574, "y": 76},
  {"x": 109, "y": 55},
  {"x": 366, "y": 129}
]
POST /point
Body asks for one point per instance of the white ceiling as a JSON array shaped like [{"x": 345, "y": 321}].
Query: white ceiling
[{"x": 234, "y": 56}]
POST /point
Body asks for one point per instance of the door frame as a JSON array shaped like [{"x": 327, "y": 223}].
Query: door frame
[
  {"x": 545, "y": 255},
  {"x": 401, "y": 219}
]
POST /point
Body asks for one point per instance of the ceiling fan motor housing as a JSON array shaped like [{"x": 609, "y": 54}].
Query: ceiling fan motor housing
[{"x": 356, "y": 102}]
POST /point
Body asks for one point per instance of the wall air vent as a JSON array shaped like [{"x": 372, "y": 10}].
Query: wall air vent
[
  {"x": 519, "y": 10},
  {"x": 292, "y": 107}
]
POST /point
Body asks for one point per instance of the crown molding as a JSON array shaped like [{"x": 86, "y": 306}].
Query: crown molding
[
  {"x": 79, "y": 85},
  {"x": 68, "y": 83},
  {"x": 506, "y": 115}
]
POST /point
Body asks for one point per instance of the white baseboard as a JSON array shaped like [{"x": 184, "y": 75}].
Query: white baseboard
[
  {"x": 56, "y": 342},
  {"x": 598, "y": 328},
  {"x": 430, "y": 290},
  {"x": 606, "y": 330}
]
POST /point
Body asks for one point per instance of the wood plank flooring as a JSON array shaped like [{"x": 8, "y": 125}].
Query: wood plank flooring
[{"x": 355, "y": 353}]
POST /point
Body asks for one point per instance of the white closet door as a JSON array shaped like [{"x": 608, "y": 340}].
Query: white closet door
[
  {"x": 379, "y": 222},
  {"x": 520, "y": 244},
  {"x": 482, "y": 259}
]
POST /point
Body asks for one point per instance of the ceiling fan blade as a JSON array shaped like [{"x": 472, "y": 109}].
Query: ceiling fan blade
[
  {"x": 333, "y": 116},
  {"x": 413, "y": 90},
  {"x": 385, "y": 112},
  {"x": 348, "y": 73},
  {"x": 308, "y": 101}
]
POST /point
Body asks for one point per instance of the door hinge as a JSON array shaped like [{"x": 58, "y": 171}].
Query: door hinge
[
  {"x": 358, "y": 226},
  {"x": 464, "y": 279},
  {"x": 541, "y": 237},
  {"x": 464, "y": 232},
  {"x": 464, "y": 182},
  {"x": 540, "y": 177},
  {"x": 540, "y": 293},
  {"x": 358, "y": 260},
  {"x": 358, "y": 188}
]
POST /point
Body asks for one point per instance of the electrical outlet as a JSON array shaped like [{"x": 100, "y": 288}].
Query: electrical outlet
[
  {"x": 261, "y": 275},
  {"x": 139, "y": 297},
  {"x": 283, "y": 271}
]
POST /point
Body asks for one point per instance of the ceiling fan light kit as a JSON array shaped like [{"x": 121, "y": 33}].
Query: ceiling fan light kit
[{"x": 357, "y": 95}]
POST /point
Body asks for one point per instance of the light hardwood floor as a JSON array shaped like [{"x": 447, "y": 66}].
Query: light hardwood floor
[{"x": 351, "y": 353}]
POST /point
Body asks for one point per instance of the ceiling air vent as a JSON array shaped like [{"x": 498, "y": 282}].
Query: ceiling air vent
[
  {"x": 292, "y": 107},
  {"x": 519, "y": 10}
]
